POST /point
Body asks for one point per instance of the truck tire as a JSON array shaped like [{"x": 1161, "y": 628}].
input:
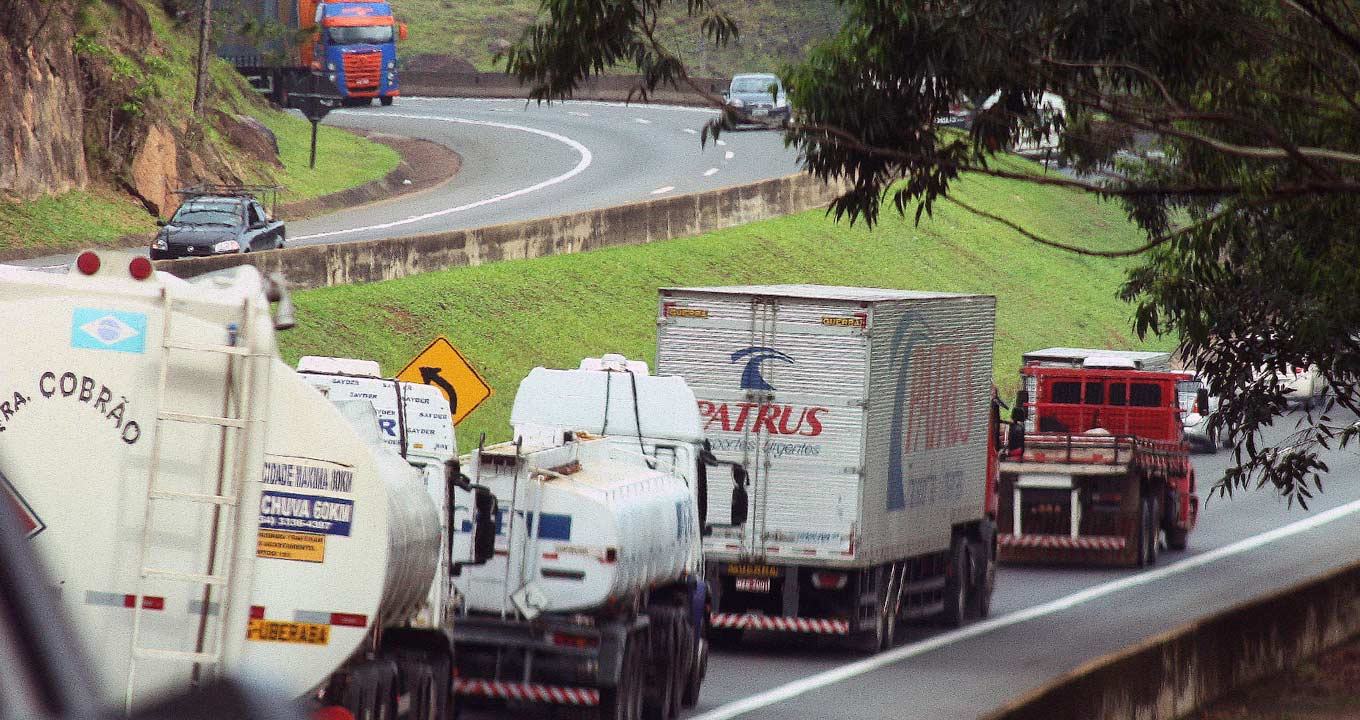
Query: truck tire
[
  {"x": 624, "y": 702},
  {"x": 955, "y": 612},
  {"x": 697, "y": 672},
  {"x": 1177, "y": 538},
  {"x": 386, "y": 100},
  {"x": 984, "y": 580},
  {"x": 662, "y": 702},
  {"x": 1150, "y": 523}
]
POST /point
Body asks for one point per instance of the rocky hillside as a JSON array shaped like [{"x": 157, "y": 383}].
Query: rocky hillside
[{"x": 93, "y": 95}]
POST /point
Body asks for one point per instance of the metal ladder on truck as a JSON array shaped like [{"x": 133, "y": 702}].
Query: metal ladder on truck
[{"x": 234, "y": 423}]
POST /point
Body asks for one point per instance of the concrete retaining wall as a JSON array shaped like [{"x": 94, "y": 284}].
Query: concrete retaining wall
[
  {"x": 500, "y": 85},
  {"x": 310, "y": 266},
  {"x": 1174, "y": 674}
]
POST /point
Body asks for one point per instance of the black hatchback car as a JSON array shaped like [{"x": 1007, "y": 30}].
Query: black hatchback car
[{"x": 217, "y": 223}]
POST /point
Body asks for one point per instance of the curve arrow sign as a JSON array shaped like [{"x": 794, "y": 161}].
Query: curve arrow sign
[{"x": 431, "y": 376}]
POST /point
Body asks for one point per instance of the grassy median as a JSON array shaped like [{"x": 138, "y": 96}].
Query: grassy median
[{"x": 509, "y": 316}]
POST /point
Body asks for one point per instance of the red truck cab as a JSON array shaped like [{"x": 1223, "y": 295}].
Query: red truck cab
[{"x": 1101, "y": 473}]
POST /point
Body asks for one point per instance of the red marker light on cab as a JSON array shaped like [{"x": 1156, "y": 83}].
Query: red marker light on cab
[
  {"x": 140, "y": 268},
  {"x": 88, "y": 263}
]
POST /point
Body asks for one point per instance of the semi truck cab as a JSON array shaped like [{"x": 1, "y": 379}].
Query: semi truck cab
[{"x": 355, "y": 44}]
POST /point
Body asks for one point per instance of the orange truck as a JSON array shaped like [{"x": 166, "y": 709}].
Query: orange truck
[{"x": 1095, "y": 471}]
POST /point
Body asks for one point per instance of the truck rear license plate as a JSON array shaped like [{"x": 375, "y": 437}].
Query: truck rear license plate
[{"x": 750, "y": 584}]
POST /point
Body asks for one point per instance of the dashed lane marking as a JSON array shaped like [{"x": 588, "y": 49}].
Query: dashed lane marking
[
  {"x": 578, "y": 114},
  {"x": 643, "y": 121},
  {"x": 722, "y": 142},
  {"x": 710, "y": 171},
  {"x": 691, "y": 131},
  {"x": 581, "y": 165},
  {"x": 729, "y": 155},
  {"x": 855, "y": 669},
  {"x": 666, "y": 189}
]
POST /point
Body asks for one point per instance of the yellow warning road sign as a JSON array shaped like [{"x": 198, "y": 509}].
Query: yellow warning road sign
[{"x": 442, "y": 366}]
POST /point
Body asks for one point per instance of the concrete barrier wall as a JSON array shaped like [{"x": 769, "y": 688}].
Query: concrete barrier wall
[
  {"x": 1179, "y": 672},
  {"x": 310, "y": 266},
  {"x": 500, "y": 85}
]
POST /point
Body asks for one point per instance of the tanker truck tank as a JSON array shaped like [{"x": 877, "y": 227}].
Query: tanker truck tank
[{"x": 203, "y": 509}]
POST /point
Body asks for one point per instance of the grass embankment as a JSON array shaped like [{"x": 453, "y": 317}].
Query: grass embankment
[
  {"x": 771, "y": 32},
  {"x": 104, "y": 217},
  {"x": 510, "y": 316}
]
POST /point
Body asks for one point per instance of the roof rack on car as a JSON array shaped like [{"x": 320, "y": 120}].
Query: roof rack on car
[{"x": 267, "y": 194}]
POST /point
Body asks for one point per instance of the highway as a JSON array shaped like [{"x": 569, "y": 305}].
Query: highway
[
  {"x": 1047, "y": 621},
  {"x": 524, "y": 161}
]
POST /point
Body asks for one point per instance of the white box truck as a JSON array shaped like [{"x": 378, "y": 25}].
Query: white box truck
[
  {"x": 867, "y": 422},
  {"x": 203, "y": 510}
]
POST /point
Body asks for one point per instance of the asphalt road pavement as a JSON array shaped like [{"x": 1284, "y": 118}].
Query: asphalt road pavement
[{"x": 523, "y": 161}]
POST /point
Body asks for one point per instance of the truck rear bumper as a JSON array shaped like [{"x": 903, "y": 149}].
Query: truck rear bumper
[
  {"x": 741, "y": 621},
  {"x": 531, "y": 692},
  {"x": 1061, "y": 549}
]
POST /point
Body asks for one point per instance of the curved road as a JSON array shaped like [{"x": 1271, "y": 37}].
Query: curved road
[{"x": 524, "y": 161}]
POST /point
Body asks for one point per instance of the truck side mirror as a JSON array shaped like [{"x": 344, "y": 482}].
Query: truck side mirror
[
  {"x": 741, "y": 502},
  {"x": 1019, "y": 413},
  {"x": 1202, "y": 401},
  {"x": 483, "y": 525},
  {"x": 401, "y": 31}
]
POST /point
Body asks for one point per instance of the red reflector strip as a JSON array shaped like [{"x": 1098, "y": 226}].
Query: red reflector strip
[
  {"x": 349, "y": 620},
  {"x": 786, "y": 624},
  {"x": 256, "y": 612},
  {"x": 558, "y": 694},
  {"x": 1063, "y": 542},
  {"x": 325, "y": 617},
  {"x": 550, "y": 556},
  {"x": 123, "y": 600}
]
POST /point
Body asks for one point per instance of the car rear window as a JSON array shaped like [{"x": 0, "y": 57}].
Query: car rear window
[{"x": 753, "y": 85}]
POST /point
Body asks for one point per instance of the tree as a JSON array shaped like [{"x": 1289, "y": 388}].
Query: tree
[{"x": 1228, "y": 129}]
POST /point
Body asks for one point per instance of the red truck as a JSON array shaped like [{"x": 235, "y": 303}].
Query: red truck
[{"x": 1104, "y": 472}]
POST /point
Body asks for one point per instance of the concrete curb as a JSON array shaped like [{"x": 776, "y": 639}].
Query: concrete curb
[
  {"x": 1178, "y": 672},
  {"x": 311, "y": 266}
]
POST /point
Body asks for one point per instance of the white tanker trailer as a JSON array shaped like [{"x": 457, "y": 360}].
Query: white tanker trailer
[
  {"x": 202, "y": 509},
  {"x": 595, "y": 590}
]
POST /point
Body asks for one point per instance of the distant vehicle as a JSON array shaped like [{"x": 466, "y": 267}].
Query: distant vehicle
[
  {"x": 761, "y": 96},
  {"x": 1199, "y": 407},
  {"x": 219, "y": 220},
  {"x": 1303, "y": 386},
  {"x": 353, "y": 43}
]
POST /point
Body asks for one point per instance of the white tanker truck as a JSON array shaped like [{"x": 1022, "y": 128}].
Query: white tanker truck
[
  {"x": 204, "y": 511},
  {"x": 596, "y": 589}
]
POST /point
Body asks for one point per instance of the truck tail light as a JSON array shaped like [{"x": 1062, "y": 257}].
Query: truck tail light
[
  {"x": 331, "y": 712},
  {"x": 140, "y": 268},
  {"x": 823, "y": 580},
  {"x": 582, "y": 642},
  {"x": 88, "y": 262},
  {"x": 1108, "y": 498}
]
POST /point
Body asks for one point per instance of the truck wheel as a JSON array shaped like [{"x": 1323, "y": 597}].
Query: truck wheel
[
  {"x": 1177, "y": 538},
  {"x": 624, "y": 702},
  {"x": 1150, "y": 530},
  {"x": 662, "y": 702},
  {"x": 955, "y": 611},
  {"x": 698, "y": 670},
  {"x": 386, "y": 101},
  {"x": 984, "y": 582}
]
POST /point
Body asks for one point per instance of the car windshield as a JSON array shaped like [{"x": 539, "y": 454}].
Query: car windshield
[
  {"x": 753, "y": 84},
  {"x": 207, "y": 213},
  {"x": 371, "y": 35}
]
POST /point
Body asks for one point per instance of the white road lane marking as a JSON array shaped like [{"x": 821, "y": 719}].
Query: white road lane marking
[
  {"x": 729, "y": 155},
  {"x": 578, "y": 114},
  {"x": 691, "y": 131},
  {"x": 581, "y": 165},
  {"x": 855, "y": 669},
  {"x": 643, "y": 121},
  {"x": 666, "y": 189},
  {"x": 710, "y": 171},
  {"x": 722, "y": 142}
]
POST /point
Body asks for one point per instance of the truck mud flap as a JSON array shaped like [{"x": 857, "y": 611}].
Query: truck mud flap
[
  {"x": 528, "y": 692},
  {"x": 819, "y": 626}
]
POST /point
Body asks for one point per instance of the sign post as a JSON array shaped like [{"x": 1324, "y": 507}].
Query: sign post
[
  {"x": 314, "y": 103},
  {"x": 441, "y": 365}
]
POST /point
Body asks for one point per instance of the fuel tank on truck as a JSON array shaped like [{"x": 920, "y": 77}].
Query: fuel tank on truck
[
  {"x": 583, "y": 529},
  {"x": 201, "y": 509}
]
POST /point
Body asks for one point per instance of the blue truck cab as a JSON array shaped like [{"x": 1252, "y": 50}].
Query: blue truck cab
[{"x": 355, "y": 44}]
